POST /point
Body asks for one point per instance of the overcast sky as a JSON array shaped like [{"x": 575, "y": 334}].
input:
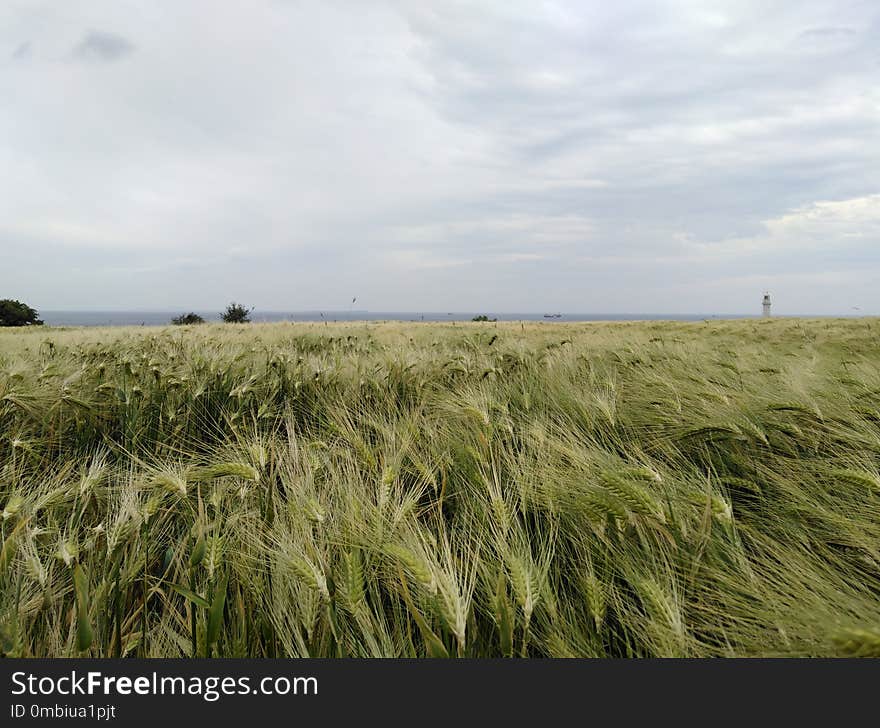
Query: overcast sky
[{"x": 631, "y": 156}]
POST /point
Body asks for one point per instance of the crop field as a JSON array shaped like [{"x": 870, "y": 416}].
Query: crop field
[{"x": 478, "y": 490}]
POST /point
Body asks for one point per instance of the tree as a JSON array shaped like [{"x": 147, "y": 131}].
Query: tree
[
  {"x": 483, "y": 317},
  {"x": 237, "y": 314},
  {"x": 187, "y": 318},
  {"x": 16, "y": 313}
]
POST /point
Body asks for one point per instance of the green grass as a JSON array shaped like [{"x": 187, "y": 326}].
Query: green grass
[{"x": 621, "y": 490}]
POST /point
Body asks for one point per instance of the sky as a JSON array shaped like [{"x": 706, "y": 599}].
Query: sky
[{"x": 636, "y": 156}]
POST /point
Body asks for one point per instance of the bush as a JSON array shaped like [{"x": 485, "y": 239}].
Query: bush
[
  {"x": 237, "y": 314},
  {"x": 483, "y": 317},
  {"x": 16, "y": 313},
  {"x": 187, "y": 319}
]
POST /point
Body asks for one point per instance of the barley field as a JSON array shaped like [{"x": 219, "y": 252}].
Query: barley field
[{"x": 432, "y": 490}]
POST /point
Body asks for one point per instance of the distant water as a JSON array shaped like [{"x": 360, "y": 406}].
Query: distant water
[{"x": 162, "y": 318}]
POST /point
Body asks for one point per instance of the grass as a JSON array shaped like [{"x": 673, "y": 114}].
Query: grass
[{"x": 479, "y": 489}]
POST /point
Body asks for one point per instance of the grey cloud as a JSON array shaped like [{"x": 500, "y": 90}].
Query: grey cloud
[
  {"x": 103, "y": 46},
  {"x": 513, "y": 155},
  {"x": 828, "y": 32},
  {"x": 22, "y": 52}
]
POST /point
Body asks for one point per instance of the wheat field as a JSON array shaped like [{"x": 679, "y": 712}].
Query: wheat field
[{"x": 633, "y": 489}]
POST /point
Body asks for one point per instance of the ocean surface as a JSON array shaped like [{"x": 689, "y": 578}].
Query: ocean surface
[{"x": 162, "y": 318}]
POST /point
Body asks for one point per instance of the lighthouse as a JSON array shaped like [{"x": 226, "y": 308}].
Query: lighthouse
[{"x": 766, "y": 305}]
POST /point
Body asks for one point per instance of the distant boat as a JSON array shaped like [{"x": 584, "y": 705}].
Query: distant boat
[{"x": 552, "y": 315}]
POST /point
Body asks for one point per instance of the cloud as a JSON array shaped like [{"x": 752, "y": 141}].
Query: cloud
[
  {"x": 826, "y": 33},
  {"x": 22, "y": 52},
  {"x": 566, "y": 155},
  {"x": 842, "y": 226},
  {"x": 522, "y": 257},
  {"x": 414, "y": 259},
  {"x": 102, "y": 46}
]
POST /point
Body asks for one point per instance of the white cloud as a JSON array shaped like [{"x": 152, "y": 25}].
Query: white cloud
[{"x": 824, "y": 225}]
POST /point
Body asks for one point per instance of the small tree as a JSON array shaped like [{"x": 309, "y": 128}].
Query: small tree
[
  {"x": 16, "y": 313},
  {"x": 237, "y": 314},
  {"x": 483, "y": 317},
  {"x": 187, "y": 319}
]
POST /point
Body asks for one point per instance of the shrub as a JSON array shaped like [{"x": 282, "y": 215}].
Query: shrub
[
  {"x": 237, "y": 314},
  {"x": 187, "y": 319},
  {"x": 483, "y": 317},
  {"x": 16, "y": 313}
]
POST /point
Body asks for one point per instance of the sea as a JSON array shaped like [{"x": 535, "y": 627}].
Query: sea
[{"x": 163, "y": 318}]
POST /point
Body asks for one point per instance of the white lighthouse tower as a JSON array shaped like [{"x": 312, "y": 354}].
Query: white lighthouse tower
[{"x": 766, "y": 305}]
